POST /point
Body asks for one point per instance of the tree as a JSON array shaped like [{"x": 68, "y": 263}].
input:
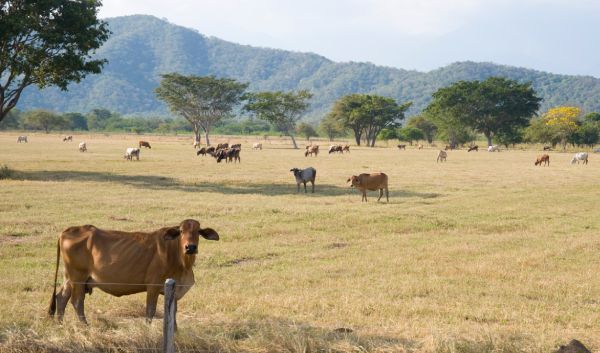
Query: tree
[
  {"x": 203, "y": 101},
  {"x": 589, "y": 134},
  {"x": 562, "y": 122},
  {"x": 282, "y": 109},
  {"x": 97, "y": 119},
  {"x": 509, "y": 137},
  {"x": 368, "y": 115},
  {"x": 592, "y": 117},
  {"x": 44, "y": 120},
  {"x": 489, "y": 106},
  {"x": 410, "y": 134},
  {"x": 307, "y": 130},
  {"x": 388, "y": 134},
  {"x": 47, "y": 43},
  {"x": 12, "y": 121},
  {"x": 331, "y": 127},
  {"x": 76, "y": 121},
  {"x": 427, "y": 126}
]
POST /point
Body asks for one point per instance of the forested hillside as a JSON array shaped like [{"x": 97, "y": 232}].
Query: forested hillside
[{"x": 143, "y": 47}]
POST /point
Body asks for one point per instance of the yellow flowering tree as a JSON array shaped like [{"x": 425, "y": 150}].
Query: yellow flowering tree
[{"x": 562, "y": 121}]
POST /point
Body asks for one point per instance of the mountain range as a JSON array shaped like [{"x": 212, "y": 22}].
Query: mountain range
[{"x": 142, "y": 47}]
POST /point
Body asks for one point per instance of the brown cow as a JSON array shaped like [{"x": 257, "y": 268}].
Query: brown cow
[
  {"x": 145, "y": 144},
  {"x": 373, "y": 181},
  {"x": 347, "y": 148},
  {"x": 401, "y": 147},
  {"x": 542, "y": 159},
  {"x": 313, "y": 149},
  {"x": 123, "y": 263},
  {"x": 473, "y": 148}
]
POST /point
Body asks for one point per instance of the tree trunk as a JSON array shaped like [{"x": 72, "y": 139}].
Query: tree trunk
[
  {"x": 206, "y": 137},
  {"x": 357, "y": 136},
  {"x": 293, "y": 141},
  {"x": 196, "y": 133},
  {"x": 488, "y": 136}
]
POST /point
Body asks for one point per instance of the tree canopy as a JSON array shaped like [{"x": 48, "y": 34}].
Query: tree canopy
[
  {"x": 367, "y": 115},
  {"x": 488, "y": 107},
  {"x": 282, "y": 109},
  {"x": 203, "y": 101},
  {"x": 47, "y": 43}
]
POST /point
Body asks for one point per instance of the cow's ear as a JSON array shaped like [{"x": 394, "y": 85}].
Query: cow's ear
[
  {"x": 209, "y": 234},
  {"x": 348, "y": 180},
  {"x": 172, "y": 233}
]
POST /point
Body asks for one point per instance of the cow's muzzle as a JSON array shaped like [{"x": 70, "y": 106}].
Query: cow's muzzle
[{"x": 191, "y": 249}]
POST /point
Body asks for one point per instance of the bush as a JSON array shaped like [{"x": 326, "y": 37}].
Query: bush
[{"x": 6, "y": 172}]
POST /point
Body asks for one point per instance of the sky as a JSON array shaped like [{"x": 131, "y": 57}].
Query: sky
[{"x": 558, "y": 36}]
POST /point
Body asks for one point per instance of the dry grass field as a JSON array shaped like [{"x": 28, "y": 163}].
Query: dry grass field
[{"x": 483, "y": 253}]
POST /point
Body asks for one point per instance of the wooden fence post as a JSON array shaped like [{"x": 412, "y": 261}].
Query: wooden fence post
[{"x": 169, "y": 318}]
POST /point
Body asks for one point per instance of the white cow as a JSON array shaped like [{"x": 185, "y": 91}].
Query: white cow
[
  {"x": 257, "y": 146},
  {"x": 581, "y": 156},
  {"x": 493, "y": 148},
  {"x": 22, "y": 138},
  {"x": 132, "y": 152},
  {"x": 82, "y": 146}
]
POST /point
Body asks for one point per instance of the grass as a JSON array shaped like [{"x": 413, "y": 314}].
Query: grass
[{"x": 483, "y": 253}]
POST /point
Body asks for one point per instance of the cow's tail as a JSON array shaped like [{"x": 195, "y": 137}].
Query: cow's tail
[{"x": 52, "y": 307}]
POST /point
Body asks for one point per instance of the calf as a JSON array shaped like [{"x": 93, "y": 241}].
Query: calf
[
  {"x": 82, "y": 146},
  {"x": 132, "y": 152},
  {"x": 581, "y": 156},
  {"x": 22, "y": 138},
  {"x": 303, "y": 176},
  {"x": 402, "y": 147},
  {"x": 543, "y": 159},
  {"x": 441, "y": 157},
  {"x": 346, "y": 148},
  {"x": 373, "y": 181},
  {"x": 144, "y": 144},
  {"x": 257, "y": 146},
  {"x": 473, "y": 148},
  {"x": 201, "y": 151},
  {"x": 313, "y": 149}
]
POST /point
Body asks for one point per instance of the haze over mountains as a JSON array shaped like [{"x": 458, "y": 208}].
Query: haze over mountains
[{"x": 141, "y": 48}]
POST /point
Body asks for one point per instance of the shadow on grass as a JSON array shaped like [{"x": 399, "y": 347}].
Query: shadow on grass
[{"x": 155, "y": 182}]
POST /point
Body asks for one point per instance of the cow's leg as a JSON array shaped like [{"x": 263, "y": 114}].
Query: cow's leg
[
  {"x": 380, "y": 194},
  {"x": 298, "y": 185},
  {"x": 151, "y": 300},
  {"x": 364, "y": 196},
  {"x": 78, "y": 297},
  {"x": 62, "y": 298},
  {"x": 387, "y": 195},
  {"x": 313, "y": 186},
  {"x": 305, "y": 187}
]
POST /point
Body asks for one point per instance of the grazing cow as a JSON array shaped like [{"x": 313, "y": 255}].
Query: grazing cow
[
  {"x": 257, "y": 146},
  {"x": 543, "y": 159},
  {"x": 402, "y": 147},
  {"x": 473, "y": 148},
  {"x": 346, "y": 148},
  {"x": 82, "y": 146},
  {"x": 441, "y": 157},
  {"x": 493, "y": 148},
  {"x": 547, "y": 148},
  {"x": 123, "y": 263},
  {"x": 237, "y": 145},
  {"x": 336, "y": 148},
  {"x": 303, "y": 176},
  {"x": 144, "y": 144},
  {"x": 220, "y": 155},
  {"x": 210, "y": 150},
  {"x": 201, "y": 151},
  {"x": 373, "y": 181},
  {"x": 67, "y": 138},
  {"x": 581, "y": 156},
  {"x": 221, "y": 146},
  {"x": 312, "y": 149},
  {"x": 132, "y": 152},
  {"x": 22, "y": 138},
  {"x": 419, "y": 146}
]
